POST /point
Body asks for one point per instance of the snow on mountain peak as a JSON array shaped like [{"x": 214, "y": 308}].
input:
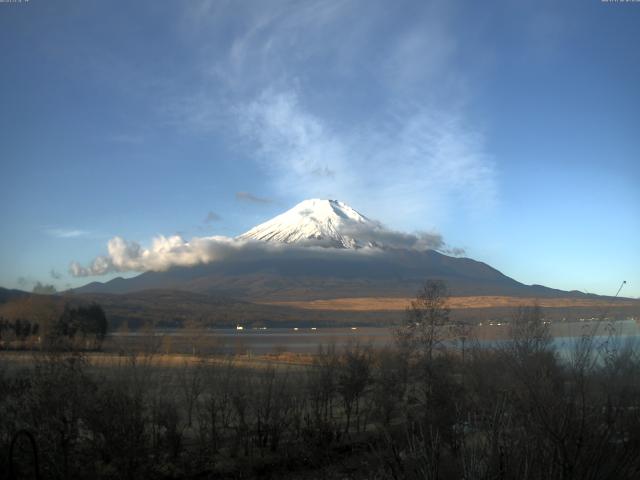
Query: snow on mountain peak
[{"x": 328, "y": 223}]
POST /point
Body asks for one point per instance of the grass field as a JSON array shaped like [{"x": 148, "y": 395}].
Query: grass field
[
  {"x": 361, "y": 304},
  {"x": 173, "y": 360}
]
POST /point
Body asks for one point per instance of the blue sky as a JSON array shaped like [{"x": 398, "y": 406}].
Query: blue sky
[{"x": 510, "y": 128}]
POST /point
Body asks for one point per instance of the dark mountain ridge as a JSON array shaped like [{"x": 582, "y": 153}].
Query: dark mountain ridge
[
  {"x": 324, "y": 249},
  {"x": 318, "y": 275}
]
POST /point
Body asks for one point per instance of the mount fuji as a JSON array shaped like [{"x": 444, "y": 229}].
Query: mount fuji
[
  {"x": 323, "y": 249},
  {"x": 334, "y": 224},
  {"x": 321, "y": 254},
  {"x": 329, "y": 223}
]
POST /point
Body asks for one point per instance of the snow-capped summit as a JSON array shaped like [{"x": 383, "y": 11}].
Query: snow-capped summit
[{"x": 328, "y": 223}]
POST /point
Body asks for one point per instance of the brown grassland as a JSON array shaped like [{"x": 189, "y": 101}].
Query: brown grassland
[{"x": 359, "y": 304}]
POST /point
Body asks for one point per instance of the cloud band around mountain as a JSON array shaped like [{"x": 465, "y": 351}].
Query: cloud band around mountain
[{"x": 173, "y": 251}]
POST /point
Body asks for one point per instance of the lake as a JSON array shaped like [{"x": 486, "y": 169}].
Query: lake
[{"x": 308, "y": 339}]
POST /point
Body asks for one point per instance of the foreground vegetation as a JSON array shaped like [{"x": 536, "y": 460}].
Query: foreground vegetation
[
  {"x": 427, "y": 408},
  {"x": 74, "y": 327}
]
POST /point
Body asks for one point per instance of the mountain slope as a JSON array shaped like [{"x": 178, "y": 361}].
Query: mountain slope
[
  {"x": 9, "y": 294},
  {"x": 326, "y": 274},
  {"x": 280, "y": 260}
]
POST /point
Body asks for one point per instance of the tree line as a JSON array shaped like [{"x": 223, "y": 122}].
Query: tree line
[
  {"x": 520, "y": 409},
  {"x": 82, "y": 326}
]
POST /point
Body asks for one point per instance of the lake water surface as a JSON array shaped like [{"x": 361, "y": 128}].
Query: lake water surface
[{"x": 308, "y": 340}]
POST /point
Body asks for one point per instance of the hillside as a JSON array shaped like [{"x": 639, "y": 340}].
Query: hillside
[
  {"x": 315, "y": 275},
  {"x": 324, "y": 249}
]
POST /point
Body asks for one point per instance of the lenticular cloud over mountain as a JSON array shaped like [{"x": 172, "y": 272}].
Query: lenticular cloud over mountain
[{"x": 311, "y": 228}]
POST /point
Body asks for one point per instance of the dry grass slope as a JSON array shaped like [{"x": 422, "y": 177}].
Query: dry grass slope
[{"x": 396, "y": 304}]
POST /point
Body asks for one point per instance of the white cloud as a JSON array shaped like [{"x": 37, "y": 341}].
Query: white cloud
[
  {"x": 415, "y": 165},
  {"x": 164, "y": 253},
  {"x": 66, "y": 232},
  {"x": 294, "y": 145},
  {"x": 174, "y": 251},
  {"x": 331, "y": 108}
]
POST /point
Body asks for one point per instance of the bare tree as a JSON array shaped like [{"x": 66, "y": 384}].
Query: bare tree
[
  {"x": 321, "y": 385},
  {"x": 353, "y": 378},
  {"x": 421, "y": 332},
  {"x": 191, "y": 386},
  {"x": 529, "y": 332},
  {"x": 390, "y": 383}
]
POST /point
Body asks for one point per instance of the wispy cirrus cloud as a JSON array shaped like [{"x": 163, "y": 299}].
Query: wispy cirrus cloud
[
  {"x": 417, "y": 163},
  {"x": 306, "y": 114},
  {"x": 295, "y": 146},
  {"x": 66, "y": 232}
]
